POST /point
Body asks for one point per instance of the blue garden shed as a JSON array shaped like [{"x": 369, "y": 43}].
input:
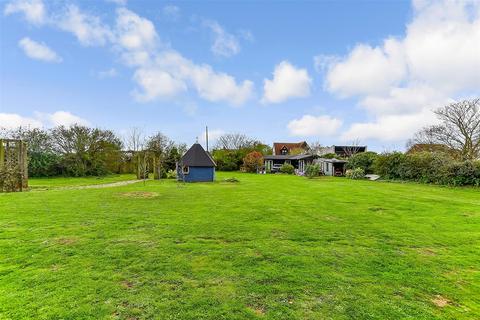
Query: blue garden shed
[{"x": 196, "y": 165}]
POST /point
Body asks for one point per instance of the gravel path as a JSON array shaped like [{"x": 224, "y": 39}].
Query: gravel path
[
  {"x": 104, "y": 185},
  {"x": 93, "y": 186}
]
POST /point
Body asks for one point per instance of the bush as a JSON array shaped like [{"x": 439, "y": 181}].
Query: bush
[
  {"x": 252, "y": 161},
  {"x": 171, "y": 174},
  {"x": 330, "y": 156},
  {"x": 428, "y": 167},
  {"x": 227, "y": 160},
  {"x": 355, "y": 174},
  {"x": 364, "y": 160},
  {"x": 44, "y": 164},
  {"x": 312, "y": 170},
  {"x": 287, "y": 168},
  {"x": 388, "y": 165}
]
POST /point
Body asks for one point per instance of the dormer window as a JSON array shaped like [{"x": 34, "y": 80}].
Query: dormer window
[{"x": 284, "y": 150}]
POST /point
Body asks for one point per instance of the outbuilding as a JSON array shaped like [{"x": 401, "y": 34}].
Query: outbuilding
[
  {"x": 331, "y": 167},
  {"x": 196, "y": 165}
]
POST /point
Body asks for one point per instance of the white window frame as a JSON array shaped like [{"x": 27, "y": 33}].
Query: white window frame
[{"x": 187, "y": 171}]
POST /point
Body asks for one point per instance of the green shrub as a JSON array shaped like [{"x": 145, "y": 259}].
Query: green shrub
[
  {"x": 227, "y": 160},
  {"x": 428, "y": 167},
  {"x": 355, "y": 174},
  {"x": 172, "y": 174},
  {"x": 287, "y": 168},
  {"x": 312, "y": 170},
  {"x": 389, "y": 165},
  {"x": 364, "y": 160},
  {"x": 330, "y": 156},
  {"x": 44, "y": 164}
]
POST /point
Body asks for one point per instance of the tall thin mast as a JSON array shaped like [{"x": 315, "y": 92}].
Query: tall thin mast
[{"x": 206, "y": 136}]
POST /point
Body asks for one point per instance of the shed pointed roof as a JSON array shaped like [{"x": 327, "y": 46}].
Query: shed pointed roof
[{"x": 196, "y": 156}]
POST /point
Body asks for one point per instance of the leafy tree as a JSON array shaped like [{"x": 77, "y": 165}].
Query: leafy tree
[
  {"x": 253, "y": 161},
  {"x": 227, "y": 160},
  {"x": 362, "y": 160},
  {"x": 86, "y": 151},
  {"x": 159, "y": 147}
]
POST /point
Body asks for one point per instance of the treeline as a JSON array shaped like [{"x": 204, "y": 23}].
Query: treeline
[
  {"x": 437, "y": 167},
  {"x": 233, "y": 152},
  {"x": 82, "y": 151},
  {"x": 446, "y": 153}
]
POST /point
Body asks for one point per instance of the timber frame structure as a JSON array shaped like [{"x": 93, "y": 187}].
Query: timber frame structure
[{"x": 13, "y": 165}]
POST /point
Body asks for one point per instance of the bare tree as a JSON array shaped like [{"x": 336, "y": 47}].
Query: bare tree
[
  {"x": 315, "y": 147},
  {"x": 459, "y": 129},
  {"x": 134, "y": 139},
  {"x": 352, "y": 149},
  {"x": 234, "y": 141}
]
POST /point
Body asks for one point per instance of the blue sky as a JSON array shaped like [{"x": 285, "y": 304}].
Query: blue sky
[{"x": 325, "y": 71}]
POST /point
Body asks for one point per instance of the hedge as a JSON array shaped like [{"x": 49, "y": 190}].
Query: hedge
[{"x": 427, "y": 167}]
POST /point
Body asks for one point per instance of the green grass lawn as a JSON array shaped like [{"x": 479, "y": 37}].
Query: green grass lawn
[
  {"x": 268, "y": 247},
  {"x": 60, "y": 182}
]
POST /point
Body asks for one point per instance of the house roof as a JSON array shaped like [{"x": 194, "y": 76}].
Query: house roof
[
  {"x": 277, "y": 146},
  {"x": 196, "y": 156},
  {"x": 330, "y": 160},
  {"x": 288, "y": 157},
  {"x": 342, "y": 150}
]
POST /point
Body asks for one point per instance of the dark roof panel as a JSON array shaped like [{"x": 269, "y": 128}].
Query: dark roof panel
[{"x": 196, "y": 156}]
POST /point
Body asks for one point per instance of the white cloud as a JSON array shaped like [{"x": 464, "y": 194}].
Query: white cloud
[
  {"x": 288, "y": 82},
  {"x": 38, "y": 51},
  {"x": 88, "y": 28},
  {"x": 225, "y": 44},
  {"x": 309, "y": 125},
  {"x": 159, "y": 71},
  {"x": 157, "y": 83},
  {"x": 368, "y": 70},
  {"x": 13, "y": 120},
  {"x": 134, "y": 32},
  {"x": 33, "y": 10},
  {"x": 389, "y": 127},
  {"x": 58, "y": 118},
  {"x": 402, "y": 80},
  {"x": 110, "y": 73},
  {"x": 401, "y": 100},
  {"x": 171, "y": 11},
  {"x": 171, "y": 73},
  {"x": 63, "y": 118}
]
